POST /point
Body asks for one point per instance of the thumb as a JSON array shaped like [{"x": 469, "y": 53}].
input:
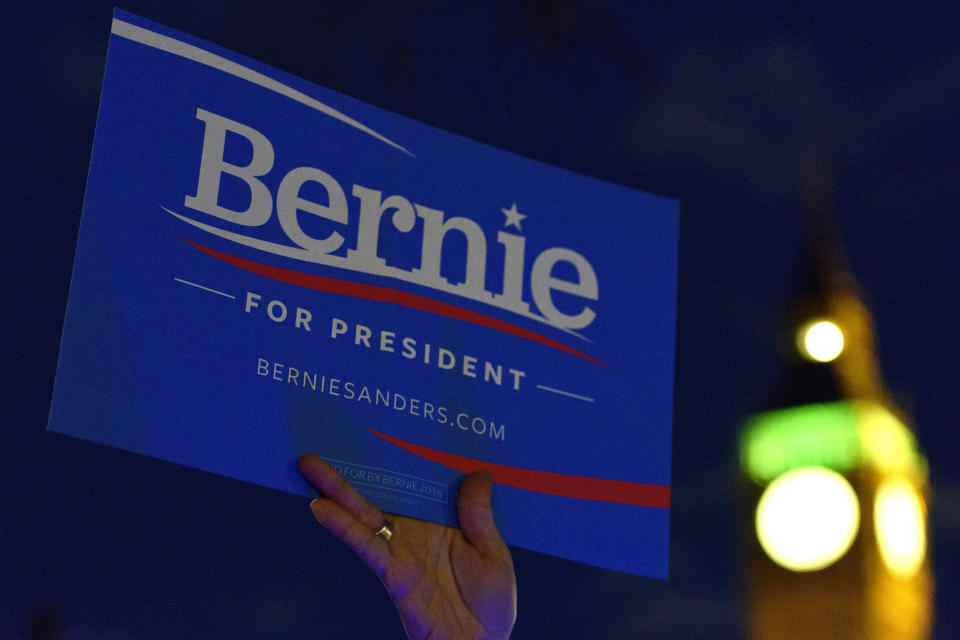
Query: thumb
[{"x": 476, "y": 513}]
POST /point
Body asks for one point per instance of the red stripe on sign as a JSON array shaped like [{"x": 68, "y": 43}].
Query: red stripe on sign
[
  {"x": 385, "y": 294},
  {"x": 557, "y": 484}
]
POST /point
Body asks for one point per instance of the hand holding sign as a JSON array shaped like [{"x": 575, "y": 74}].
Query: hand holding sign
[{"x": 445, "y": 582}]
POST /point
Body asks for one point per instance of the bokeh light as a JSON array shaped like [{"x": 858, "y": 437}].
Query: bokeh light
[
  {"x": 807, "y": 518},
  {"x": 899, "y": 519},
  {"x": 820, "y": 340}
]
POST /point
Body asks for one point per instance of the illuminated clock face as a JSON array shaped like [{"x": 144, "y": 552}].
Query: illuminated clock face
[
  {"x": 807, "y": 518},
  {"x": 899, "y": 518}
]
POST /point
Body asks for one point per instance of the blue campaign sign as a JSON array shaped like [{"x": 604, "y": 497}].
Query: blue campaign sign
[{"x": 266, "y": 267}]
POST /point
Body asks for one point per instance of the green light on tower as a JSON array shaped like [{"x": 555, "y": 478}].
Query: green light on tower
[{"x": 836, "y": 435}]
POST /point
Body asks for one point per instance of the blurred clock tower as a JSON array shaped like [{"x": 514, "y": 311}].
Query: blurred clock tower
[{"x": 834, "y": 488}]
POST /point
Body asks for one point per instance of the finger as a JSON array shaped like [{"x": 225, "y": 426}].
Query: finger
[
  {"x": 325, "y": 478},
  {"x": 372, "y": 550},
  {"x": 476, "y": 514}
]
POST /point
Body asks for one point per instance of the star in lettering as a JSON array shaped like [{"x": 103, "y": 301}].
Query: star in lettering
[{"x": 513, "y": 217}]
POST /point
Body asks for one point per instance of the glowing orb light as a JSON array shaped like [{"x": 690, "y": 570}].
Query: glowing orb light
[
  {"x": 820, "y": 340},
  {"x": 807, "y": 518},
  {"x": 898, "y": 516}
]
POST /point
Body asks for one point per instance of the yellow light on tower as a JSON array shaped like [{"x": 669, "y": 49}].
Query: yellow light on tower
[
  {"x": 899, "y": 518},
  {"x": 820, "y": 340},
  {"x": 807, "y": 518}
]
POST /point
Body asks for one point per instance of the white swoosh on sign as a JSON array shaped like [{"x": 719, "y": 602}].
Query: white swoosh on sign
[{"x": 202, "y": 56}]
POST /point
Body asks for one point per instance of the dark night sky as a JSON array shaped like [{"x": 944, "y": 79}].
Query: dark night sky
[{"x": 714, "y": 106}]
